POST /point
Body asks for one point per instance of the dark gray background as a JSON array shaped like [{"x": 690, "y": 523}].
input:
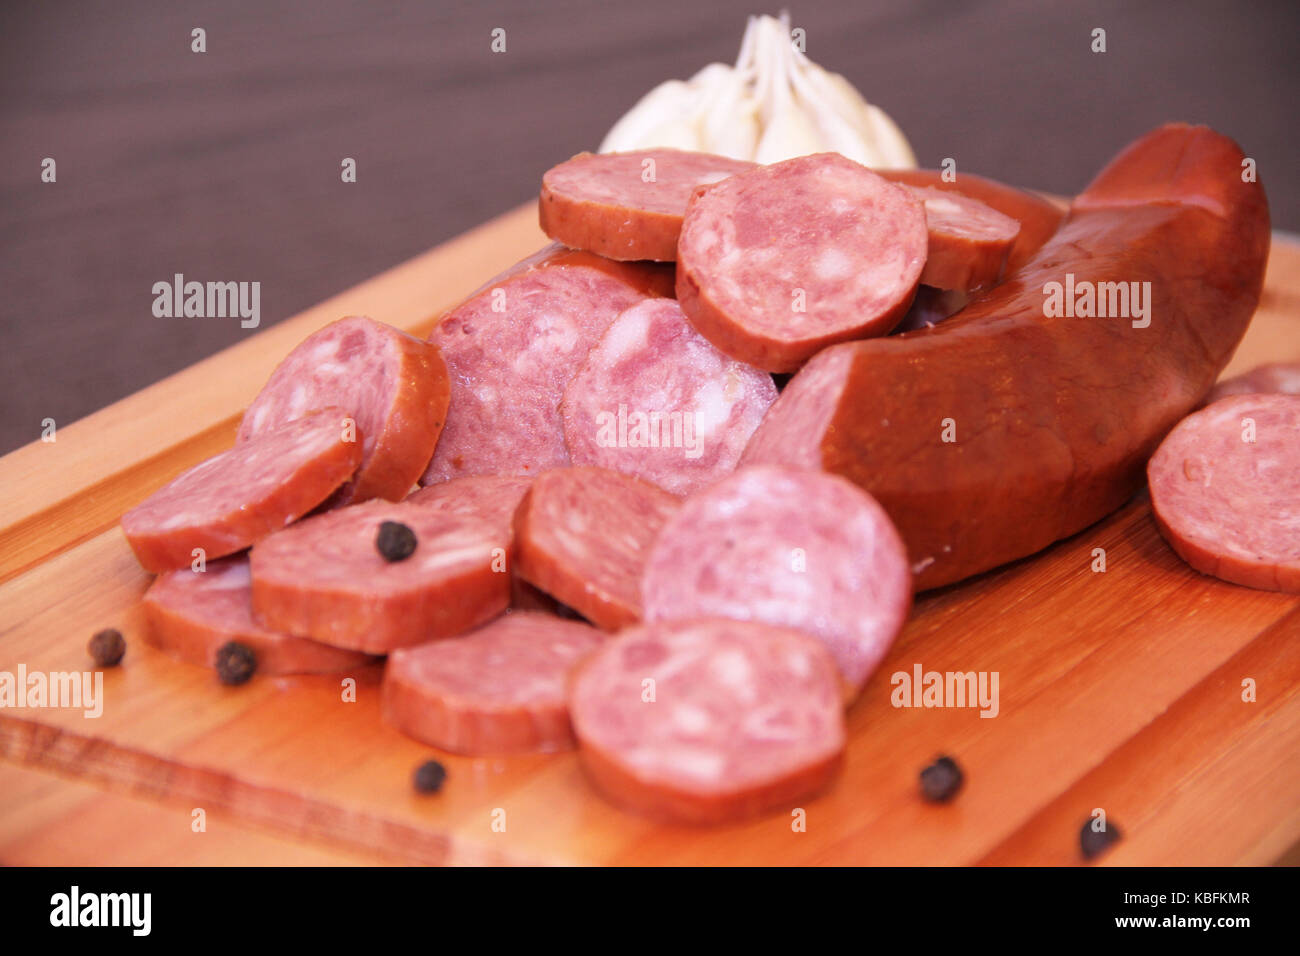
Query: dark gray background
[{"x": 225, "y": 166}]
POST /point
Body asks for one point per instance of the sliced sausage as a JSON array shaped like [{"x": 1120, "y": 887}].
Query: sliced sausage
[
  {"x": 778, "y": 262},
  {"x": 1038, "y": 218},
  {"x": 627, "y": 205},
  {"x": 1010, "y": 426},
  {"x": 1225, "y": 490},
  {"x": 492, "y": 498},
  {"x": 791, "y": 548},
  {"x": 968, "y": 241},
  {"x": 1277, "y": 378},
  {"x": 191, "y": 614},
  {"x": 511, "y": 350},
  {"x": 708, "y": 721},
  {"x": 393, "y": 385},
  {"x": 325, "y": 578},
  {"x": 657, "y": 401},
  {"x": 231, "y": 500},
  {"x": 500, "y": 689},
  {"x": 582, "y": 534}
]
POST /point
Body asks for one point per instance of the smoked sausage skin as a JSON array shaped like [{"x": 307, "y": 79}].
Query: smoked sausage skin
[{"x": 1010, "y": 426}]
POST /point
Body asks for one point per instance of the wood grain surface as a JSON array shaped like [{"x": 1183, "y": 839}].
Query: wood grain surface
[
  {"x": 1119, "y": 690},
  {"x": 224, "y": 166}
]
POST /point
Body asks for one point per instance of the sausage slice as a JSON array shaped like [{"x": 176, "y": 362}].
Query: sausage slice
[
  {"x": 708, "y": 721},
  {"x": 1225, "y": 489},
  {"x": 627, "y": 205},
  {"x": 582, "y": 535},
  {"x": 325, "y": 578},
  {"x": 1276, "y": 378},
  {"x": 500, "y": 689},
  {"x": 231, "y": 500},
  {"x": 968, "y": 241},
  {"x": 792, "y": 548},
  {"x": 492, "y": 498},
  {"x": 778, "y": 262},
  {"x": 511, "y": 349},
  {"x": 656, "y": 400},
  {"x": 1036, "y": 217},
  {"x": 191, "y": 614},
  {"x": 393, "y": 385}
]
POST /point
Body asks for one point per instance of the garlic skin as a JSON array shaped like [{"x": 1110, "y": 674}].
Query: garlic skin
[{"x": 774, "y": 104}]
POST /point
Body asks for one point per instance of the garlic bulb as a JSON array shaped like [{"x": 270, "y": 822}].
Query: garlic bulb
[{"x": 774, "y": 104}]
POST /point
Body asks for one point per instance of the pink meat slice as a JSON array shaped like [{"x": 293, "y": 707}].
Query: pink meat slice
[
  {"x": 192, "y": 614},
  {"x": 325, "y": 578},
  {"x": 492, "y": 498},
  {"x": 656, "y": 400},
  {"x": 393, "y": 385},
  {"x": 511, "y": 350},
  {"x": 500, "y": 689},
  {"x": 968, "y": 241},
  {"x": 234, "y": 499},
  {"x": 627, "y": 205},
  {"x": 788, "y": 547},
  {"x": 1225, "y": 490},
  {"x": 708, "y": 721},
  {"x": 582, "y": 535},
  {"x": 776, "y": 263}
]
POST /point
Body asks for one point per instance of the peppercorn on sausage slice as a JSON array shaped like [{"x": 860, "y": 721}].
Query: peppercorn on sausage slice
[{"x": 325, "y": 578}]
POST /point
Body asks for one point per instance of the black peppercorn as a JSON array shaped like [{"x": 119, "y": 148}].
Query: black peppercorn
[
  {"x": 429, "y": 776},
  {"x": 107, "y": 647},
  {"x": 941, "y": 780},
  {"x": 235, "y": 663},
  {"x": 1094, "y": 842},
  {"x": 395, "y": 541}
]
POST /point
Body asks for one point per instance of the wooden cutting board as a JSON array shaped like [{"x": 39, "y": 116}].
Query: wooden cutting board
[{"x": 1119, "y": 690}]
